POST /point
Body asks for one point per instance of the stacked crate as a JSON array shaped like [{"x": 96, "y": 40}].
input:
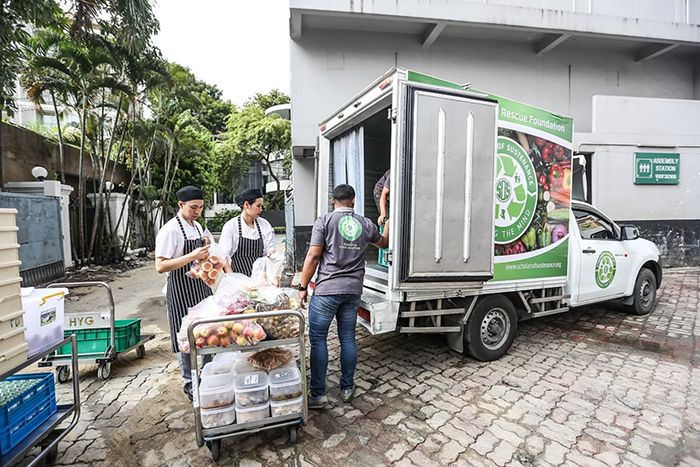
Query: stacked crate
[{"x": 13, "y": 346}]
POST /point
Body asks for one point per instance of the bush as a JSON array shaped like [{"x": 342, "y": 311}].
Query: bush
[
  {"x": 280, "y": 230},
  {"x": 216, "y": 223}
]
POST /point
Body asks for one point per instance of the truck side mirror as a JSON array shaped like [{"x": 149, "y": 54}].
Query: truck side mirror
[{"x": 629, "y": 232}]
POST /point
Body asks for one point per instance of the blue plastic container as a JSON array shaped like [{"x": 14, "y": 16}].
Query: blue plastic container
[
  {"x": 20, "y": 415},
  {"x": 381, "y": 259}
]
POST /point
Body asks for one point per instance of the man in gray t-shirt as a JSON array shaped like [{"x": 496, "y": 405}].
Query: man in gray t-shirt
[
  {"x": 339, "y": 241},
  {"x": 381, "y": 196}
]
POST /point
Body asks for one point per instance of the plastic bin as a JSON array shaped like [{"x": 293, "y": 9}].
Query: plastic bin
[
  {"x": 280, "y": 409},
  {"x": 9, "y": 252},
  {"x": 13, "y": 357},
  {"x": 8, "y": 235},
  {"x": 216, "y": 391},
  {"x": 7, "y": 217},
  {"x": 243, "y": 367},
  {"x": 253, "y": 414},
  {"x": 43, "y": 310},
  {"x": 127, "y": 333},
  {"x": 10, "y": 287},
  {"x": 221, "y": 416},
  {"x": 11, "y": 340},
  {"x": 251, "y": 389},
  {"x": 25, "y": 406},
  {"x": 10, "y": 304},
  {"x": 285, "y": 384},
  {"x": 217, "y": 368},
  {"x": 11, "y": 321}
]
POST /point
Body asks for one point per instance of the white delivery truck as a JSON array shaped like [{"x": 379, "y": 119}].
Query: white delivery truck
[{"x": 484, "y": 232}]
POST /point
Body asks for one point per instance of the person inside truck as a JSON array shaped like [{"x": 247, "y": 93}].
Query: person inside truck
[
  {"x": 338, "y": 244},
  {"x": 381, "y": 196}
]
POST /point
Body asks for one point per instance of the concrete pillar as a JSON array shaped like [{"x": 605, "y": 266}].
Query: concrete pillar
[
  {"x": 696, "y": 77},
  {"x": 116, "y": 201},
  {"x": 55, "y": 189}
]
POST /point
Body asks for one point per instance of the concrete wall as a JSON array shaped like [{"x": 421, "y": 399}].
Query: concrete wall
[
  {"x": 329, "y": 67},
  {"x": 22, "y": 150}
]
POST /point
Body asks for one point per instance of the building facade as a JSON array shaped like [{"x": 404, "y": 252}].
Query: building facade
[{"x": 628, "y": 72}]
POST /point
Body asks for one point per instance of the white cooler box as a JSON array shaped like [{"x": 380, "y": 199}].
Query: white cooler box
[{"x": 43, "y": 317}]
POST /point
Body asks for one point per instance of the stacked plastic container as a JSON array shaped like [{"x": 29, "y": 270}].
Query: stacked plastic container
[
  {"x": 216, "y": 393},
  {"x": 285, "y": 392},
  {"x": 252, "y": 396},
  {"x": 13, "y": 345}
]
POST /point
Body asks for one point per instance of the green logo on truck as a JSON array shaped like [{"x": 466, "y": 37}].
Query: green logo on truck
[
  {"x": 350, "y": 228},
  {"x": 516, "y": 191},
  {"x": 605, "y": 269}
]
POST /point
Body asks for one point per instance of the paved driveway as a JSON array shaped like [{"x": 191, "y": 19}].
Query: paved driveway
[{"x": 594, "y": 387}]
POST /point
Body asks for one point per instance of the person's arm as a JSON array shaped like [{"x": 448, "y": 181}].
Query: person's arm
[
  {"x": 228, "y": 241},
  {"x": 310, "y": 264},
  {"x": 383, "y": 241},
  {"x": 268, "y": 237},
  {"x": 170, "y": 264},
  {"x": 382, "y": 205}
]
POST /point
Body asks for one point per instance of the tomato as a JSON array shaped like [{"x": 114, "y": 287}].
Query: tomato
[
  {"x": 540, "y": 142},
  {"x": 543, "y": 179},
  {"x": 547, "y": 153},
  {"x": 558, "y": 152}
]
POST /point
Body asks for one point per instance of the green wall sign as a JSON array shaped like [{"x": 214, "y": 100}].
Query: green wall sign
[{"x": 651, "y": 168}]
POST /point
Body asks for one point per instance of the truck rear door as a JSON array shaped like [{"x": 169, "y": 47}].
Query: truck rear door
[{"x": 444, "y": 174}]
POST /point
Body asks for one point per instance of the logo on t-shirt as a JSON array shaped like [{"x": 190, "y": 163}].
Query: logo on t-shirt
[{"x": 350, "y": 228}]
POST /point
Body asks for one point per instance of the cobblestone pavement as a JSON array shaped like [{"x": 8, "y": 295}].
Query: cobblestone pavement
[{"x": 595, "y": 387}]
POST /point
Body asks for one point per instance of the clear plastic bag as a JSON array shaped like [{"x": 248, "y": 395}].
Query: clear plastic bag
[
  {"x": 269, "y": 269},
  {"x": 211, "y": 269},
  {"x": 269, "y": 359}
]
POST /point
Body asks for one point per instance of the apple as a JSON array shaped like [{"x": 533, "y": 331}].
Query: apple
[
  {"x": 197, "y": 333},
  {"x": 225, "y": 341},
  {"x": 259, "y": 334},
  {"x": 222, "y": 331},
  {"x": 248, "y": 332},
  {"x": 204, "y": 333},
  {"x": 200, "y": 342},
  {"x": 213, "y": 341},
  {"x": 229, "y": 324},
  {"x": 241, "y": 340},
  {"x": 237, "y": 328},
  {"x": 232, "y": 335}
]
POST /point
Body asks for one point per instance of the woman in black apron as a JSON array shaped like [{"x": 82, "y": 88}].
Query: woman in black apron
[
  {"x": 182, "y": 292},
  {"x": 248, "y": 249}
]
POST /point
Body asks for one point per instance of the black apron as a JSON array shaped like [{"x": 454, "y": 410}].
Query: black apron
[
  {"x": 248, "y": 250},
  {"x": 183, "y": 291}
]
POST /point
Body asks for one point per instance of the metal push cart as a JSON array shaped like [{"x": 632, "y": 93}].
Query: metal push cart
[
  {"x": 103, "y": 358},
  {"x": 47, "y": 435},
  {"x": 213, "y": 436}
]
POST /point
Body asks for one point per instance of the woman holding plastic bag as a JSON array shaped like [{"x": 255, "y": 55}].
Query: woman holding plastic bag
[{"x": 247, "y": 237}]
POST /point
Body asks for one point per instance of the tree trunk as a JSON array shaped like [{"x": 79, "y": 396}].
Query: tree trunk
[
  {"x": 2, "y": 156},
  {"x": 60, "y": 138},
  {"x": 81, "y": 183}
]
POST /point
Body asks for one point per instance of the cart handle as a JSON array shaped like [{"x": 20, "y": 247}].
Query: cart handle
[
  {"x": 57, "y": 294},
  {"x": 112, "y": 313}
]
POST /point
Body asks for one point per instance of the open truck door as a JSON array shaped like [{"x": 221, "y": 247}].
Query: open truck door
[{"x": 444, "y": 171}]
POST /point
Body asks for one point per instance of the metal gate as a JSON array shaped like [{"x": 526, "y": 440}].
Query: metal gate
[{"x": 40, "y": 237}]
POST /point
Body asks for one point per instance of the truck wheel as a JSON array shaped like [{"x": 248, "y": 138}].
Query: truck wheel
[
  {"x": 491, "y": 328},
  {"x": 644, "y": 293}
]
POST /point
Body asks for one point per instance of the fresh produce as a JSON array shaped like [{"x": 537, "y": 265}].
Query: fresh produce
[
  {"x": 561, "y": 214},
  {"x": 559, "y": 153},
  {"x": 280, "y": 327},
  {"x": 540, "y": 142},
  {"x": 544, "y": 238},
  {"x": 223, "y": 334},
  {"x": 530, "y": 239},
  {"x": 558, "y": 232}
]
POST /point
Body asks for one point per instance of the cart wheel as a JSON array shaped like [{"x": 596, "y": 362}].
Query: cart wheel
[
  {"x": 63, "y": 374},
  {"x": 104, "y": 370},
  {"x": 141, "y": 352},
  {"x": 50, "y": 457},
  {"x": 293, "y": 434},
  {"x": 215, "y": 448}
]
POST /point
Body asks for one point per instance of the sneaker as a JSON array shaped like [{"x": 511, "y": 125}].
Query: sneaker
[
  {"x": 187, "y": 389},
  {"x": 346, "y": 394},
  {"x": 317, "y": 402}
]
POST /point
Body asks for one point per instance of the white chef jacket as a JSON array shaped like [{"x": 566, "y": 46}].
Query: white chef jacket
[{"x": 229, "y": 235}]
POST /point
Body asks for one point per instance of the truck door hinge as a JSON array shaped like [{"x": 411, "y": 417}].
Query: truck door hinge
[
  {"x": 391, "y": 115},
  {"x": 388, "y": 256}
]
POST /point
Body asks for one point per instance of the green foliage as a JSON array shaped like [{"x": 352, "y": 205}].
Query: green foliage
[
  {"x": 280, "y": 230},
  {"x": 216, "y": 223},
  {"x": 265, "y": 101},
  {"x": 272, "y": 202},
  {"x": 14, "y": 15}
]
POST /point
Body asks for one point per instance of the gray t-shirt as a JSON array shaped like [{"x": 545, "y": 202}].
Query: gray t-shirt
[
  {"x": 345, "y": 237},
  {"x": 381, "y": 183}
]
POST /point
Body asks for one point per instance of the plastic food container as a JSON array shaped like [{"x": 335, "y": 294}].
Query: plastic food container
[
  {"x": 285, "y": 384},
  {"x": 251, "y": 389},
  {"x": 253, "y": 414},
  {"x": 242, "y": 367},
  {"x": 229, "y": 358},
  {"x": 222, "y": 416},
  {"x": 280, "y": 409},
  {"x": 217, "y": 368},
  {"x": 216, "y": 391}
]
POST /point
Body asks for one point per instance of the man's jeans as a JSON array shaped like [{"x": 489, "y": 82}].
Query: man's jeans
[{"x": 322, "y": 310}]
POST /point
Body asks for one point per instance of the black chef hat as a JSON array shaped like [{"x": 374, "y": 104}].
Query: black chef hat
[
  {"x": 189, "y": 193},
  {"x": 250, "y": 195}
]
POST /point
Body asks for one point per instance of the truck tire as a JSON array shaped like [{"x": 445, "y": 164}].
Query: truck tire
[
  {"x": 491, "y": 328},
  {"x": 644, "y": 295}
]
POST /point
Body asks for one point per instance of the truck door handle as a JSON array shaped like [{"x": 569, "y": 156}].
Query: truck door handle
[{"x": 589, "y": 250}]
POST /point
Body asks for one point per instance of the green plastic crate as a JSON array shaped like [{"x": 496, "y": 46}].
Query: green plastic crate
[{"x": 127, "y": 333}]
